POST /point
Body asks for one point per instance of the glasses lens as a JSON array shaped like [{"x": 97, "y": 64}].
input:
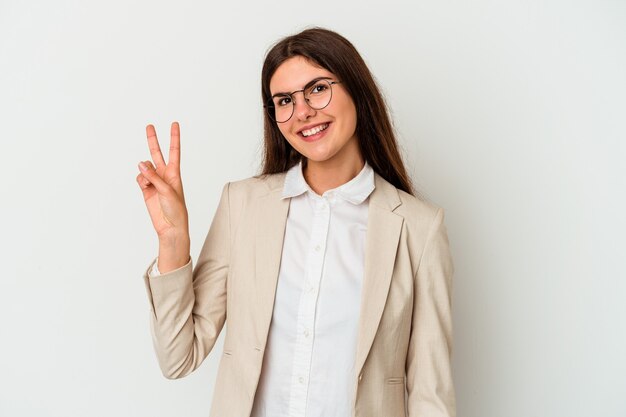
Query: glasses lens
[
  {"x": 280, "y": 108},
  {"x": 319, "y": 94}
]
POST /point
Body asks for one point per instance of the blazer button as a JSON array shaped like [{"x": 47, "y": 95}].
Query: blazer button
[{"x": 360, "y": 377}]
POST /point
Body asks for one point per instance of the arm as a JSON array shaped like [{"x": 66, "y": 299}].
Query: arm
[
  {"x": 188, "y": 305},
  {"x": 428, "y": 369}
]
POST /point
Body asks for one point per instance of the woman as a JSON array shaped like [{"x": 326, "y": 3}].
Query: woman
[{"x": 335, "y": 279}]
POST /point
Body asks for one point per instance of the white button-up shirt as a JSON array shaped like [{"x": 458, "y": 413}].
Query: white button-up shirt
[{"x": 308, "y": 365}]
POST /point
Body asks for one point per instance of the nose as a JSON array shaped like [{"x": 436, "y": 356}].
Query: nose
[{"x": 301, "y": 108}]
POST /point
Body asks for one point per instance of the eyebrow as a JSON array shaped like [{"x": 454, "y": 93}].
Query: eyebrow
[{"x": 310, "y": 83}]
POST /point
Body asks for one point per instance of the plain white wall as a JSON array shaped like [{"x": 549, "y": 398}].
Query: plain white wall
[{"x": 511, "y": 115}]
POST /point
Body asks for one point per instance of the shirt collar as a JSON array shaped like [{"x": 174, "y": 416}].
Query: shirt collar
[{"x": 355, "y": 191}]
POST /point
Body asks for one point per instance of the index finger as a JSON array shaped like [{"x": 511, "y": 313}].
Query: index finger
[
  {"x": 174, "y": 157},
  {"x": 155, "y": 149}
]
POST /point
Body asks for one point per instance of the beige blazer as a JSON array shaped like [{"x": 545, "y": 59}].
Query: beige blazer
[{"x": 405, "y": 327}]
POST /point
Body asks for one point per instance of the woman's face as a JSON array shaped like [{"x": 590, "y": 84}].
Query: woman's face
[{"x": 338, "y": 141}]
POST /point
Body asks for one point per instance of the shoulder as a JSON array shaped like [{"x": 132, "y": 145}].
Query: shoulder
[
  {"x": 255, "y": 187},
  {"x": 414, "y": 210},
  {"x": 241, "y": 196},
  {"x": 421, "y": 219}
]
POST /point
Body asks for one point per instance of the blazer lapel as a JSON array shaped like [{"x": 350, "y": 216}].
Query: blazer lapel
[
  {"x": 270, "y": 222},
  {"x": 381, "y": 244}
]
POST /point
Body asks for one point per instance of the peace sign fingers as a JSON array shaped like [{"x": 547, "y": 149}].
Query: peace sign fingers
[{"x": 162, "y": 186}]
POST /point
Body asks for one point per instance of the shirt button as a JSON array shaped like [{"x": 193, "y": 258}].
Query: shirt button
[
  {"x": 301, "y": 380},
  {"x": 306, "y": 333},
  {"x": 317, "y": 248}
]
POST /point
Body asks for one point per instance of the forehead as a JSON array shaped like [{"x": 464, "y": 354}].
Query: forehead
[{"x": 294, "y": 73}]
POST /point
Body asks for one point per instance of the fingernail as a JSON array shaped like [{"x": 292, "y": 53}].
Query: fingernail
[{"x": 143, "y": 166}]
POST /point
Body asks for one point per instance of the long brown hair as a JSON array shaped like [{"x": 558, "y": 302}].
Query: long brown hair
[{"x": 374, "y": 130}]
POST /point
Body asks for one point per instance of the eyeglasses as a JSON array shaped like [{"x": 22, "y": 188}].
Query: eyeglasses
[{"x": 317, "y": 94}]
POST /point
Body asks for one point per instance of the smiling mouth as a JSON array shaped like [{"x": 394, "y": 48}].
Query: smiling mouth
[{"x": 313, "y": 131}]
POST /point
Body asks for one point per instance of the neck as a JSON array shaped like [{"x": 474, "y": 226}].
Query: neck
[{"x": 326, "y": 175}]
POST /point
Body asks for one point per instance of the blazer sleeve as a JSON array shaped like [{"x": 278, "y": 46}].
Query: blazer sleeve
[
  {"x": 428, "y": 365},
  {"x": 188, "y": 305}
]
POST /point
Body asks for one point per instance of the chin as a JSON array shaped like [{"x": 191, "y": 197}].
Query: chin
[{"x": 317, "y": 156}]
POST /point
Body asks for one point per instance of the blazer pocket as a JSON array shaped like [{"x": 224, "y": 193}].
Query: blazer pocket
[
  {"x": 228, "y": 352},
  {"x": 395, "y": 380},
  {"x": 394, "y": 398}
]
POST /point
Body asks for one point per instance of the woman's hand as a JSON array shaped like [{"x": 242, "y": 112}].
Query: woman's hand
[{"x": 162, "y": 189}]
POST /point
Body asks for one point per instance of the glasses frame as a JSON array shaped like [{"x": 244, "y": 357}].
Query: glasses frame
[{"x": 271, "y": 108}]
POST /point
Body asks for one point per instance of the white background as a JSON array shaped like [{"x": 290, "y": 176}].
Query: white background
[{"x": 511, "y": 115}]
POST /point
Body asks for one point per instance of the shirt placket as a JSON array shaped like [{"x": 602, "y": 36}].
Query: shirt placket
[{"x": 307, "y": 308}]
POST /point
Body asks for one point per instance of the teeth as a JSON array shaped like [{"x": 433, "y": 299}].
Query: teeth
[{"x": 314, "y": 130}]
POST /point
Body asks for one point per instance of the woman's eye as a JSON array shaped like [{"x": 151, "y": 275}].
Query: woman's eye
[
  {"x": 282, "y": 101},
  {"x": 319, "y": 88}
]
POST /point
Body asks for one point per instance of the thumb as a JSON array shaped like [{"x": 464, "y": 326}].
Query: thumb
[{"x": 148, "y": 171}]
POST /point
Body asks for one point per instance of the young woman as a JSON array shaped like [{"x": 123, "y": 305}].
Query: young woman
[{"x": 334, "y": 278}]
